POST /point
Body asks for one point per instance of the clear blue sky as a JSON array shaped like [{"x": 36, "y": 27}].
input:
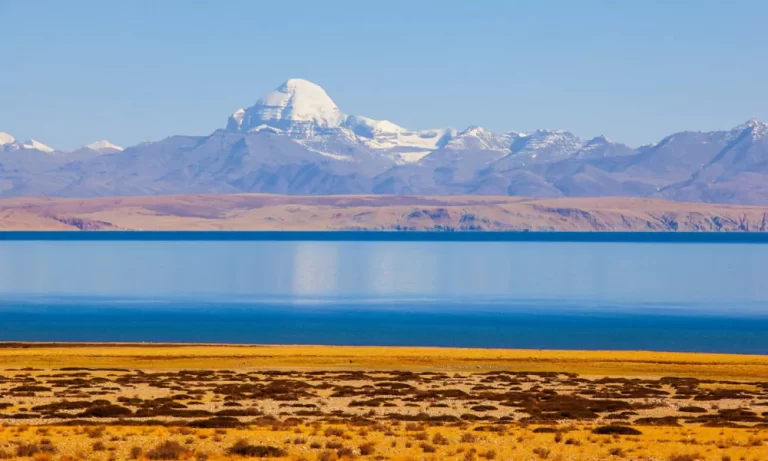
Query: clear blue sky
[{"x": 75, "y": 71}]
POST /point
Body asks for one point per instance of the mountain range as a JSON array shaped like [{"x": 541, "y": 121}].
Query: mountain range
[{"x": 295, "y": 140}]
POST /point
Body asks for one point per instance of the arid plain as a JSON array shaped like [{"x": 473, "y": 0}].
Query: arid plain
[
  {"x": 374, "y": 212},
  {"x": 119, "y": 401}
]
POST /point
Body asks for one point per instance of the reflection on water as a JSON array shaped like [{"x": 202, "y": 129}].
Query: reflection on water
[
  {"x": 687, "y": 297},
  {"x": 601, "y": 271}
]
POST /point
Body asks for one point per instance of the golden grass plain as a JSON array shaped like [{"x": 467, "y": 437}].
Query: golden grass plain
[{"x": 420, "y": 424}]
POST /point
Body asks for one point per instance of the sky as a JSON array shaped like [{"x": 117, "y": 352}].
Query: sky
[{"x": 635, "y": 71}]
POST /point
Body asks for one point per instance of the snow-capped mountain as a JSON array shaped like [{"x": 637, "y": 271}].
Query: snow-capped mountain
[
  {"x": 296, "y": 140},
  {"x": 304, "y": 112},
  {"x": 7, "y": 141},
  {"x": 9, "y": 144},
  {"x": 104, "y": 147},
  {"x": 299, "y": 108}
]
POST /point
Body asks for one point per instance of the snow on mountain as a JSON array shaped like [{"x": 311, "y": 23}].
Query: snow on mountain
[
  {"x": 601, "y": 147},
  {"x": 9, "y": 144},
  {"x": 753, "y": 128},
  {"x": 298, "y": 107},
  {"x": 407, "y": 146},
  {"x": 383, "y": 134},
  {"x": 6, "y": 139},
  {"x": 546, "y": 145},
  {"x": 303, "y": 111},
  {"x": 37, "y": 145},
  {"x": 476, "y": 137},
  {"x": 104, "y": 146}
]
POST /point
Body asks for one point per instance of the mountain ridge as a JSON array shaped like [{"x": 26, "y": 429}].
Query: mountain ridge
[{"x": 296, "y": 140}]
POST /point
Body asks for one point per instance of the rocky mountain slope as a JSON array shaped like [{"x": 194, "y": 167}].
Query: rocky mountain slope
[
  {"x": 296, "y": 140},
  {"x": 374, "y": 212}
]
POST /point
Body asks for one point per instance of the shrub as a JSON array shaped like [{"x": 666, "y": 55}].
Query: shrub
[
  {"x": 544, "y": 430},
  {"x": 368, "y": 448},
  {"x": 327, "y": 456},
  {"x": 692, "y": 409},
  {"x": 334, "y": 431},
  {"x": 24, "y": 450},
  {"x": 439, "y": 439},
  {"x": 168, "y": 450},
  {"x": 619, "y": 430},
  {"x": 346, "y": 452},
  {"x": 616, "y": 451},
  {"x": 482, "y": 408},
  {"x": 542, "y": 453},
  {"x": 685, "y": 457},
  {"x": 136, "y": 452},
  {"x": 427, "y": 448},
  {"x": 218, "y": 422},
  {"x": 243, "y": 448}
]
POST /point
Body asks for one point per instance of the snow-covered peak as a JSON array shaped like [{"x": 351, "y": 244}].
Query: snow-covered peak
[
  {"x": 383, "y": 134},
  {"x": 6, "y": 139},
  {"x": 104, "y": 146},
  {"x": 600, "y": 146},
  {"x": 36, "y": 145},
  {"x": 370, "y": 128},
  {"x": 298, "y": 107},
  {"x": 476, "y": 137},
  {"x": 755, "y": 127},
  {"x": 546, "y": 145}
]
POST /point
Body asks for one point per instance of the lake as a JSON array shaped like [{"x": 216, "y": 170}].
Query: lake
[{"x": 676, "y": 296}]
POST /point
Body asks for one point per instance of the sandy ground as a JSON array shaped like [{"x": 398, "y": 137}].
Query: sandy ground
[{"x": 281, "y": 212}]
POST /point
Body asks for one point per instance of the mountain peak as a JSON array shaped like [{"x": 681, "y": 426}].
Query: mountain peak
[
  {"x": 6, "y": 139},
  {"x": 752, "y": 123},
  {"x": 755, "y": 128},
  {"x": 104, "y": 146},
  {"x": 297, "y": 106},
  {"x": 37, "y": 145}
]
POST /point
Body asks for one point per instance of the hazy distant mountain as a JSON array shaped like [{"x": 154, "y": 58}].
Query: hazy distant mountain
[{"x": 296, "y": 140}]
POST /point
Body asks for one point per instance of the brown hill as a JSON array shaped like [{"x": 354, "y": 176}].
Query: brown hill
[{"x": 376, "y": 212}]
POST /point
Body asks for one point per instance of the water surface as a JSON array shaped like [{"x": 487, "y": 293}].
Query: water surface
[{"x": 571, "y": 295}]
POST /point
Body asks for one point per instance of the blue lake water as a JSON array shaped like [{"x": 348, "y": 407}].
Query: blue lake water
[{"x": 520, "y": 294}]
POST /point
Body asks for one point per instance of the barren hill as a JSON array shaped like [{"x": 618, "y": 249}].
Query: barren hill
[{"x": 374, "y": 212}]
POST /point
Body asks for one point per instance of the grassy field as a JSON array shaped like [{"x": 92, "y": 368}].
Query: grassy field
[
  {"x": 318, "y": 403},
  {"x": 621, "y": 363}
]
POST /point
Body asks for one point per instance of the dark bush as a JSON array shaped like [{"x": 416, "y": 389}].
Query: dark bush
[
  {"x": 544, "y": 430},
  {"x": 219, "y": 422},
  {"x": 618, "y": 430},
  {"x": 24, "y": 450},
  {"x": 368, "y": 448},
  {"x": 692, "y": 409},
  {"x": 168, "y": 450},
  {"x": 243, "y": 448}
]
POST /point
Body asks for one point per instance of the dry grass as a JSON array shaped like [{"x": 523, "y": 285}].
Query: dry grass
[
  {"x": 516, "y": 443},
  {"x": 294, "y": 403},
  {"x": 624, "y": 363}
]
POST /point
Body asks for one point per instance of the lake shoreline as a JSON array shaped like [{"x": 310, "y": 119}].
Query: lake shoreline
[{"x": 388, "y": 236}]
